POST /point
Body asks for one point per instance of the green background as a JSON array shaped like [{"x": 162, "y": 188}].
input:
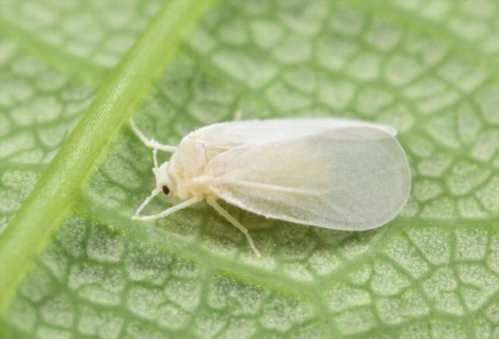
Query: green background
[{"x": 73, "y": 264}]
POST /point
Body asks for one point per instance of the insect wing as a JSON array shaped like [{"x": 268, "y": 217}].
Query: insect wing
[
  {"x": 256, "y": 132},
  {"x": 345, "y": 178}
]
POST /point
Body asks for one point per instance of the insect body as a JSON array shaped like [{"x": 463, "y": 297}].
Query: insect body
[{"x": 334, "y": 173}]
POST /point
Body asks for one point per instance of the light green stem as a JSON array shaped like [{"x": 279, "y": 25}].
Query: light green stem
[{"x": 59, "y": 188}]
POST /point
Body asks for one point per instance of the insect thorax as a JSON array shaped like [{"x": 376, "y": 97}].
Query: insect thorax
[{"x": 187, "y": 165}]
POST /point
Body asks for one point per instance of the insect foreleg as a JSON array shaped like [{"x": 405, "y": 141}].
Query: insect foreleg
[
  {"x": 149, "y": 142},
  {"x": 238, "y": 115},
  {"x": 213, "y": 203},
  {"x": 168, "y": 211},
  {"x": 146, "y": 201},
  {"x": 155, "y": 158}
]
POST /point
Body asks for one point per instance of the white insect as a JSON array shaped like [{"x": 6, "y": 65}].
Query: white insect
[{"x": 334, "y": 173}]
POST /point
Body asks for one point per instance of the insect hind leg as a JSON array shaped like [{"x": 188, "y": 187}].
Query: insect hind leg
[
  {"x": 150, "y": 142},
  {"x": 213, "y": 203}
]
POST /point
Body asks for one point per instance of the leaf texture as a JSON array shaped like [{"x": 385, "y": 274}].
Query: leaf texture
[{"x": 425, "y": 67}]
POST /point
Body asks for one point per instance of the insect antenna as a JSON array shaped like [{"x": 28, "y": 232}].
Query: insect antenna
[{"x": 149, "y": 142}]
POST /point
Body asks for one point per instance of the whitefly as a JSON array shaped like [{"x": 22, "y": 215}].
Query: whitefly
[{"x": 338, "y": 174}]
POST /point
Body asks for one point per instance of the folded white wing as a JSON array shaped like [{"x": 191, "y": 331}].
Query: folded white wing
[
  {"x": 251, "y": 132},
  {"x": 347, "y": 177}
]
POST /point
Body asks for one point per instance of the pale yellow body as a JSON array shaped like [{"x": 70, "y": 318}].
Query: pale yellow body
[
  {"x": 338, "y": 174},
  {"x": 187, "y": 168}
]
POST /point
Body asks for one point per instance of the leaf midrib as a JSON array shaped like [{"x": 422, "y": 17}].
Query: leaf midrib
[{"x": 58, "y": 189}]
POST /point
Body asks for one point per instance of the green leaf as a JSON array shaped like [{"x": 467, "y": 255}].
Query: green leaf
[{"x": 425, "y": 67}]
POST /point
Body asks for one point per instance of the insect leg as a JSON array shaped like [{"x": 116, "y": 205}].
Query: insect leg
[
  {"x": 213, "y": 203},
  {"x": 155, "y": 158},
  {"x": 146, "y": 201},
  {"x": 238, "y": 115},
  {"x": 168, "y": 211},
  {"x": 149, "y": 142}
]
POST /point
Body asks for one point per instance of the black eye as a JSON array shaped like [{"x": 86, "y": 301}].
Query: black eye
[{"x": 165, "y": 189}]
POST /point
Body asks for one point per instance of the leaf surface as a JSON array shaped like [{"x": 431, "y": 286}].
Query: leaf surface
[{"x": 427, "y": 68}]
